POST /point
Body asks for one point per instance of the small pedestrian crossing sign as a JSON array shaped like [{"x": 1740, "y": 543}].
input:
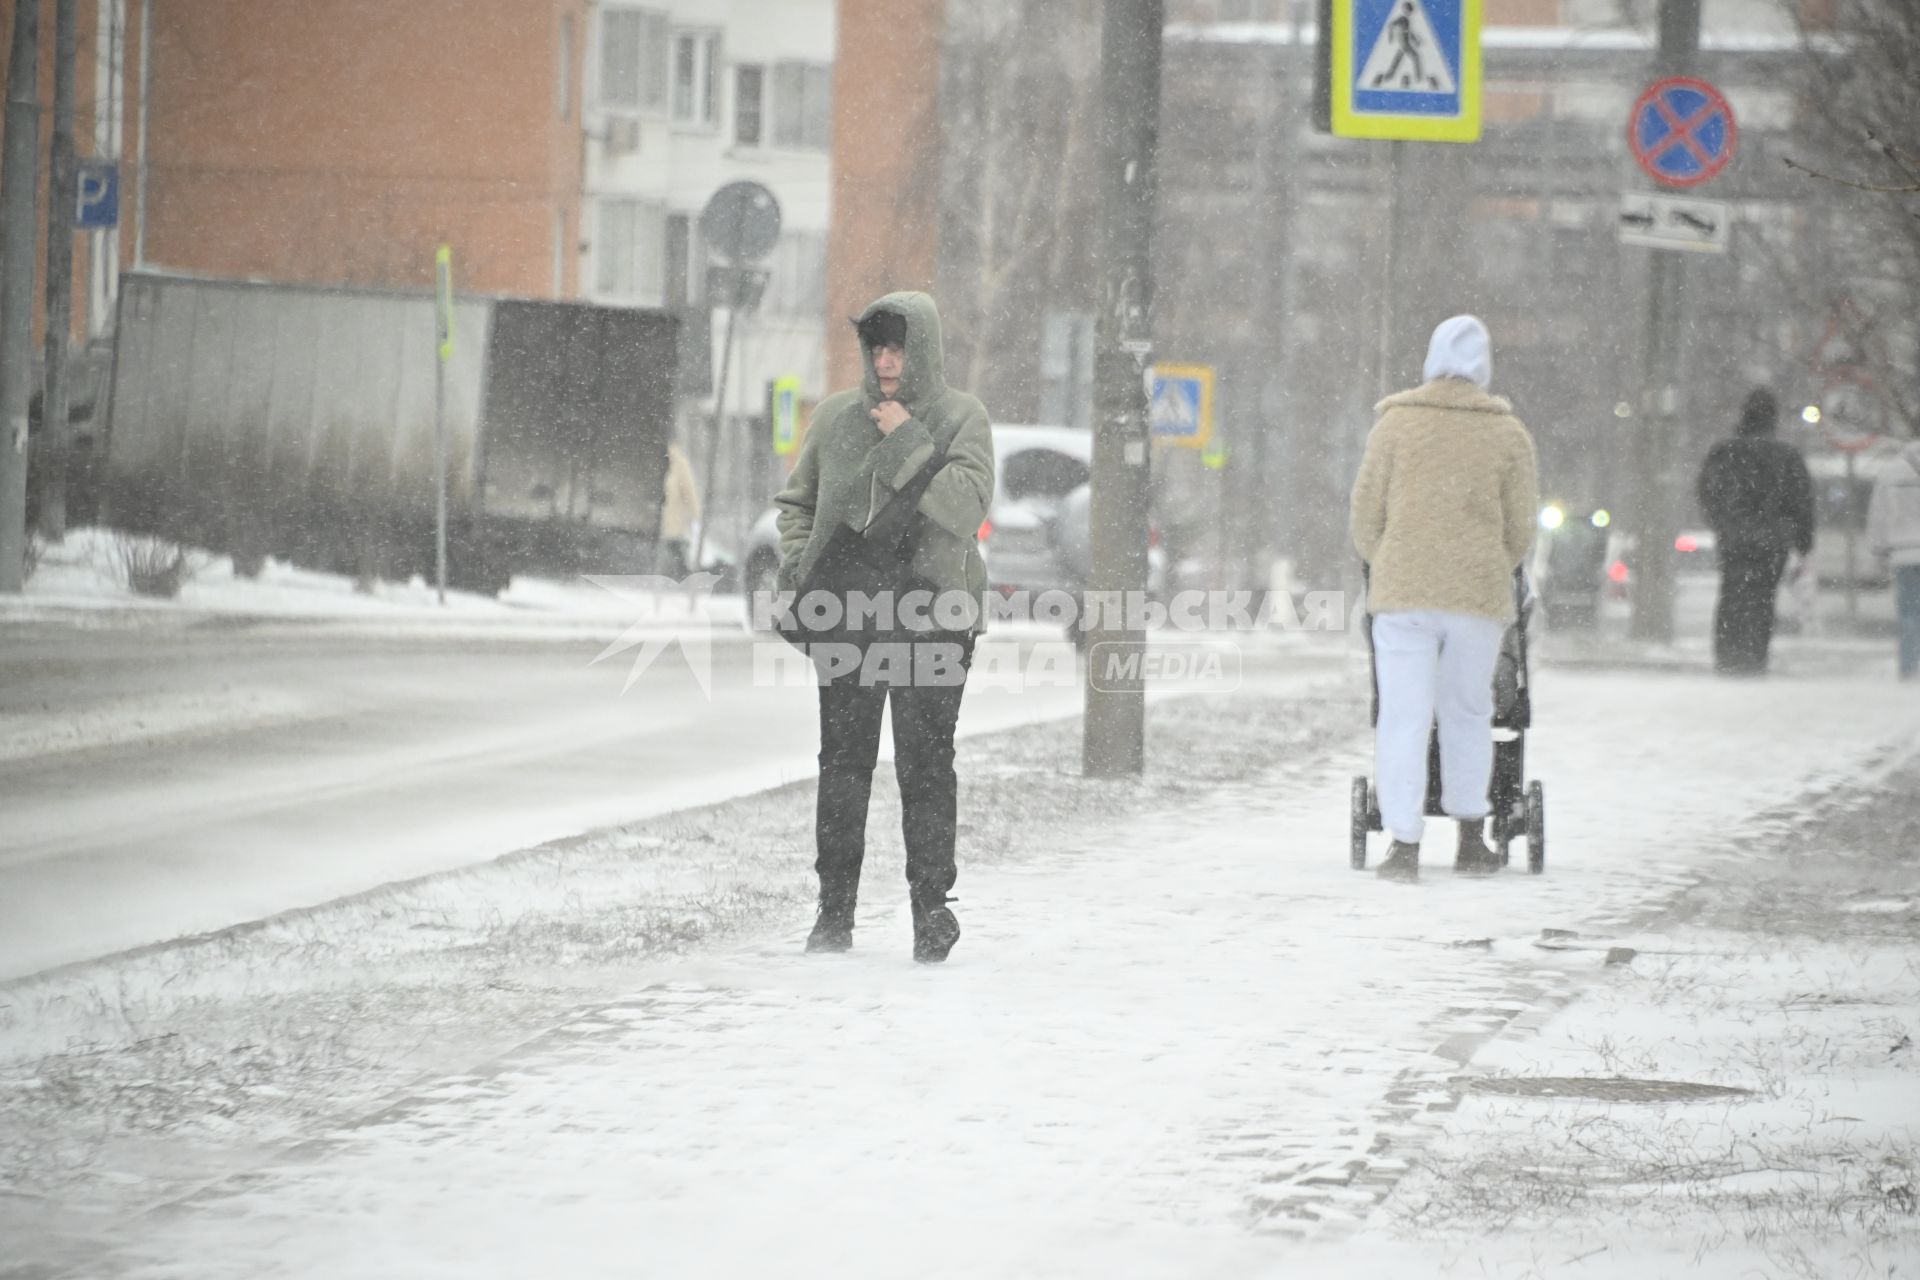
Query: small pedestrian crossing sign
[
  {"x": 1407, "y": 69},
  {"x": 1180, "y": 405},
  {"x": 785, "y": 411}
]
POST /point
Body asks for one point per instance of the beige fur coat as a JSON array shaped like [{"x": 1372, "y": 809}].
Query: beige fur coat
[{"x": 1446, "y": 502}]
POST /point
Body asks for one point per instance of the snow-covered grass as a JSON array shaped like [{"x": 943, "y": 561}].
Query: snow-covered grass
[
  {"x": 36, "y": 732},
  {"x": 86, "y": 573}
]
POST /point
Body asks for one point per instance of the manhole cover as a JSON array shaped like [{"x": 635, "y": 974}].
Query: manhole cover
[{"x": 1602, "y": 1088}]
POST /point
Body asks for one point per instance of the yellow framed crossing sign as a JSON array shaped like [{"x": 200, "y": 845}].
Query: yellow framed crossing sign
[
  {"x": 785, "y": 411},
  {"x": 1406, "y": 69},
  {"x": 1180, "y": 404}
]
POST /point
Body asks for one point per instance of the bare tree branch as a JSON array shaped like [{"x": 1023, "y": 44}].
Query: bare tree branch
[{"x": 1811, "y": 172}]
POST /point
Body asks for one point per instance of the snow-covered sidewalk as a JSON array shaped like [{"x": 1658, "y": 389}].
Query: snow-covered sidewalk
[{"x": 1198, "y": 1046}]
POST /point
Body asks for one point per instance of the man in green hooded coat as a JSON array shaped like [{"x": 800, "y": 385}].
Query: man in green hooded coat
[{"x": 863, "y": 447}]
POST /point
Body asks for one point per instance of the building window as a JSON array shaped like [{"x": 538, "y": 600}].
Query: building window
[
  {"x": 802, "y": 105},
  {"x": 628, "y": 249},
  {"x": 563, "y": 80},
  {"x": 749, "y": 93},
  {"x": 633, "y": 60},
  {"x": 797, "y": 275},
  {"x": 559, "y": 253},
  {"x": 696, "y": 67}
]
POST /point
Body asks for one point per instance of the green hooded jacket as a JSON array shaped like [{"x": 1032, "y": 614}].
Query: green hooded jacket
[{"x": 847, "y": 470}]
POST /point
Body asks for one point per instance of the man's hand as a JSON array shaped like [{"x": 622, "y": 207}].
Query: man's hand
[{"x": 888, "y": 415}]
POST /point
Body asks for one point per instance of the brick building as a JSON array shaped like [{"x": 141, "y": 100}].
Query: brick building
[{"x": 330, "y": 141}]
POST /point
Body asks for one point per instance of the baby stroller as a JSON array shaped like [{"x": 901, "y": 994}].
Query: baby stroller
[{"x": 1519, "y": 807}]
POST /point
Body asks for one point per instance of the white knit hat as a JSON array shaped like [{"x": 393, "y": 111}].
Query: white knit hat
[{"x": 1461, "y": 349}]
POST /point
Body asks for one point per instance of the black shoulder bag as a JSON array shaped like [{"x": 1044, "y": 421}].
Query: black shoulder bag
[{"x": 875, "y": 562}]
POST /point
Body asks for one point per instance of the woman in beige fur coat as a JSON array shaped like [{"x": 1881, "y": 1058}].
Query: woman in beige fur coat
[{"x": 1443, "y": 512}]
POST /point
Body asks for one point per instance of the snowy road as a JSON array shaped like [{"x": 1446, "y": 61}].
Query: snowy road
[{"x": 161, "y": 781}]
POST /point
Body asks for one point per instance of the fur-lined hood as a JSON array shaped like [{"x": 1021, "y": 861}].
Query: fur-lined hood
[{"x": 1447, "y": 393}]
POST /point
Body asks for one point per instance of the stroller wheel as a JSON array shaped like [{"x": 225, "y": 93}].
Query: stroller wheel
[
  {"x": 1536, "y": 828},
  {"x": 1360, "y": 818}
]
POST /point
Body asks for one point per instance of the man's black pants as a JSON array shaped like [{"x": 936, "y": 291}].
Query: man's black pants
[
  {"x": 924, "y": 715},
  {"x": 1743, "y": 618}
]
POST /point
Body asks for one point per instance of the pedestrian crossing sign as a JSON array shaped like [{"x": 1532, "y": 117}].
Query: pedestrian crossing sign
[
  {"x": 1407, "y": 69},
  {"x": 785, "y": 411},
  {"x": 1180, "y": 405}
]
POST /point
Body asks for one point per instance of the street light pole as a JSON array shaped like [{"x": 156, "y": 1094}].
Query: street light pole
[
  {"x": 19, "y": 179},
  {"x": 1114, "y": 742},
  {"x": 61, "y": 198},
  {"x": 1656, "y": 518}
]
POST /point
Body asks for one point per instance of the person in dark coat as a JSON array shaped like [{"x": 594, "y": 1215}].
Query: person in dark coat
[
  {"x": 864, "y": 445},
  {"x": 1758, "y": 498}
]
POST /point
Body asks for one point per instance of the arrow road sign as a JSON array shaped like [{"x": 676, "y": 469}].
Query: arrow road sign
[
  {"x": 1674, "y": 222},
  {"x": 1406, "y": 69},
  {"x": 1682, "y": 131}
]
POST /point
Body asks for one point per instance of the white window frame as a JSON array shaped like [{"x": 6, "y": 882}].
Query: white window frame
[
  {"x": 761, "y": 121},
  {"x": 780, "y": 112},
  {"x": 700, "y": 108},
  {"x": 652, "y": 72},
  {"x": 641, "y": 242},
  {"x": 798, "y": 283},
  {"x": 692, "y": 269}
]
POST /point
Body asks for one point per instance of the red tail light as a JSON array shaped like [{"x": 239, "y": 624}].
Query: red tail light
[
  {"x": 1153, "y": 537},
  {"x": 1617, "y": 571},
  {"x": 1686, "y": 542},
  {"x": 986, "y": 530}
]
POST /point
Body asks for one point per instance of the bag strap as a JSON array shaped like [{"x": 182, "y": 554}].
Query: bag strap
[{"x": 889, "y": 528}]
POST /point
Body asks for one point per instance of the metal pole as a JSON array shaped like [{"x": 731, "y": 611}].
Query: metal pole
[
  {"x": 736, "y": 274},
  {"x": 1655, "y": 517},
  {"x": 61, "y": 198},
  {"x": 749, "y": 435},
  {"x": 1223, "y": 580},
  {"x": 1114, "y": 742},
  {"x": 443, "y": 352},
  {"x": 1852, "y": 542},
  {"x": 19, "y": 178},
  {"x": 140, "y": 180},
  {"x": 1383, "y": 358},
  {"x": 440, "y": 478}
]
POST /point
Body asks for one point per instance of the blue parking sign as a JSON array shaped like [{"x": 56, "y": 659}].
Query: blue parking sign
[{"x": 96, "y": 204}]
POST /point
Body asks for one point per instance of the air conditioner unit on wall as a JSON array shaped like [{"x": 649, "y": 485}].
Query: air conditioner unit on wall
[{"x": 623, "y": 135}]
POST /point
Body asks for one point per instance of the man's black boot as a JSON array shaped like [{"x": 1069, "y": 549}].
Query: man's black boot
[
  {"x": 1474, "y": 857},
  {"x": 1403, "y": 862},
  {"x": 831, "y": 933},
  {"x": 935, "y": 929},
  {"x": 833, "y": 927}
]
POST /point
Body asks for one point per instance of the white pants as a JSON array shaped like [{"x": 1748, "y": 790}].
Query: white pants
[{"x": 1433, "y": 665}]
